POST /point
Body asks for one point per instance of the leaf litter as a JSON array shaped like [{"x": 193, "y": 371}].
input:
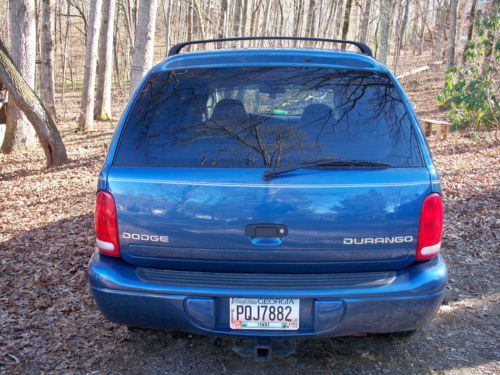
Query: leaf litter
[{"x": 49, "y": 322}]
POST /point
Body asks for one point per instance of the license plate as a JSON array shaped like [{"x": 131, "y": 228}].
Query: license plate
[{"x": 264, "y": 313}]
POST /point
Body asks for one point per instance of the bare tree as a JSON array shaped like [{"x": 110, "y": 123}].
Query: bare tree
[
  {"x": 338, "y": 18},
  {"x": 105, "y": 66},
  {"x": 470, "y": 31},
  {"x": 30, "y": 104},
  {"x": 299, "y": 7},
  {"x": 237, "y": 17},
  {"x": 244, "y": 18},
  {"x": 266, "y": 15},
  {"x": 385, "y": 22},
  {"x": 86, "y": 121},
  {"x": 47, "y": 75},
  {"x": 441, "y": 21},
  {"x": 167, "y": 20},
  {"x": 65, "y": 52},
  {"x": 222, "y": 18},
  {"x": 19, "y": 133},
  {"x": 347, "y": 18},
  {"x": 366, "y": 21},
  {"x": 452, "y": 38},
  {"x": 199, "y": 17},
  {"x": 401, "y": 35},
  {"x": 142, "y": 58},
  {"x": 488, "y": 50},
  {"x": 423, "y": 24},
  {"x": 310, "y": 19}
]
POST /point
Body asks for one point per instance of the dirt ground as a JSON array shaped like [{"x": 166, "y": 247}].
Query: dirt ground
[{"x": 50, "y": 324}]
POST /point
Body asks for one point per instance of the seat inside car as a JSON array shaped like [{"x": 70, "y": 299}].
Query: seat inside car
[
  {"x": 228, "y": 112},
  {"x": 316, "y": 114}
]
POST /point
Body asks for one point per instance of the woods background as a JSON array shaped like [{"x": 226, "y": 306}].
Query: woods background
[
  {"x": 80, "y": 57},
  {"x": 103, "y": 47}
]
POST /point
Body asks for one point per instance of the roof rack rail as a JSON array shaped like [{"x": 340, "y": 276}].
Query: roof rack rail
[{"x": 175, "y": 50}]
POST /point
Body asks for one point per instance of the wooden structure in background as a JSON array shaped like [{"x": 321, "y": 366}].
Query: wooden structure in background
[{"x": 442, "y": 128}]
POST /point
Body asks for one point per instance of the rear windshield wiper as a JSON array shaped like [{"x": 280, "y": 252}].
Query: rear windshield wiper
[{"x": 268, "y": 175}]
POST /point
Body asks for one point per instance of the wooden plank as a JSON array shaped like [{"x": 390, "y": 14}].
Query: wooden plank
[
  {"x": 437, "y": 122},
  {"x": 427, "y": 129},
  {"x": 418, "y": 70},
  {"x": 446, "y": 129},
  {"x": 442, "y": 128},
  {"x": 413, "y": 72},
  {"x": 439, "y": 133}
]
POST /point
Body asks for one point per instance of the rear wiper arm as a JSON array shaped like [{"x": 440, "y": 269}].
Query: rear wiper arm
[{"x": 268, "y": 175}]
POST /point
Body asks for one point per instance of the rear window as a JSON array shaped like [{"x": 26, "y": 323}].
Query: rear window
[{"x": 267, "y": 116}]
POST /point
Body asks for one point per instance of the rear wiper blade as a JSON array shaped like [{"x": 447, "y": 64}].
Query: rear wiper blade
[{"x": 268, "y": 175}]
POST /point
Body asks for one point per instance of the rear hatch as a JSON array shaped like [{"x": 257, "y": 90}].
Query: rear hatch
[{"x": 188, "y": 173}]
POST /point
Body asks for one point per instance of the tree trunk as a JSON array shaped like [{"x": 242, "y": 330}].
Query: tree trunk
[
  {"x": 488, "y": 50},
  {"x": 441, "y": 18},
  {"x": 222, "y": 19},
  {"x": 86, "y": 121},
  {"x": 265, "y": 17},
  {"x": 347, "y": 18},
  {"x": 47, "y": 84},
  {"x": 401, "y": 35},
  {"x": 421, "y": 32},
  {"x": 167, "y": 16},
  {"x": 199, "y": 16},
  {"x": 30, "y": 104},
  {"x": 385, "y": 23},
  {"x": 105, "y": 67},
  {"x": 19, "y": 133},
  {"x": 310, "y": 19},
  {"x": 453, "y": 33},
  {"x": 142, "y": 58},
  {"x": 297, "y": 19},
  {"x": 338, "y": 19},
  {"x": 65, "y": 56},
  {"x": 376, "y": 39},
  {"x": 470, "y": 31},
  {"x": 189, "y": 22},
  {"x": 244, "y": 19},
  {"x": 366, "y": 21},
  {"x": 236, "y": 18}
]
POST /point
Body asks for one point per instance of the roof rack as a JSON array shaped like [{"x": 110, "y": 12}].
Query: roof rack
[{"x": 175, "y": 50}]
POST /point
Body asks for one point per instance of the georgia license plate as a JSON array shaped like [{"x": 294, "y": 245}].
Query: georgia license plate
[{"x": 264, "y": 313}]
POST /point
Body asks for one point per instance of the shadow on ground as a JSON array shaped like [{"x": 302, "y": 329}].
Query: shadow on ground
[{"x": 49, "y": 322}]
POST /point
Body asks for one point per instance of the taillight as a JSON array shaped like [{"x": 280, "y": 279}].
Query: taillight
[
  {"x": 430, "y": 228},
  {"x": 106, "y": 225}
]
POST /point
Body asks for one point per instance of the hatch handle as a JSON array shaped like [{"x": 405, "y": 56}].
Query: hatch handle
[{"x": 266, "y": 230}]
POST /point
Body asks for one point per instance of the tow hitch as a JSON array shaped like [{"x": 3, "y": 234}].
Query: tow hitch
[{"x": 264, "y": 348}]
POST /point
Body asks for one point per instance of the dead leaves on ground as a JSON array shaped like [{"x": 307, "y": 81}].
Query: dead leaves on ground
[{"x": 48, "y": 320}]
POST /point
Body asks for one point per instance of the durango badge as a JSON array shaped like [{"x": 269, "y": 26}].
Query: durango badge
[{"x": 376, "y": 240}]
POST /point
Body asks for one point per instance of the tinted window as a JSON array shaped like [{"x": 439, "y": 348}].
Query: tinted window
[{"x": 257, "y": 117}]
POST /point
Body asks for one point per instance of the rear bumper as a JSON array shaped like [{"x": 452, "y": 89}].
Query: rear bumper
[{"x": 331, "y": 305}]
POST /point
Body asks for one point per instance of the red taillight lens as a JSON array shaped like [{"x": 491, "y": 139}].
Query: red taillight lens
[
  {"x": 430, "y": 229},
  {"x": 106, "y": 225}
]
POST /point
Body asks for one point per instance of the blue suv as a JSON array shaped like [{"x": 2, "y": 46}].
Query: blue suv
[{"x": 269, "y": 194}]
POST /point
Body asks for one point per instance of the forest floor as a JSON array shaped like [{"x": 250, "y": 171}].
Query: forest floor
[{"x": 49, "y": 322}]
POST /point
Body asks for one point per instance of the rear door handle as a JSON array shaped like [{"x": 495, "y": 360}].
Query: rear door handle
[{"x": 278, "y": 231}]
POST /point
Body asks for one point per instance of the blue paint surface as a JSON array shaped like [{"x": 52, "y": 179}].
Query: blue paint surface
[{"x": 204, "y": 212}]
